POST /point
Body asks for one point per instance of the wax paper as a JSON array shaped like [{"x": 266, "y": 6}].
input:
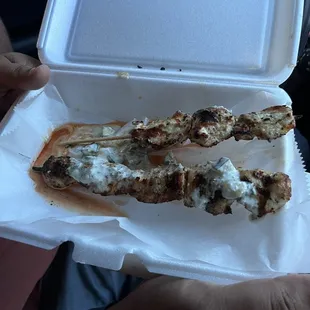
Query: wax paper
[{"x": 157, "y": 233}]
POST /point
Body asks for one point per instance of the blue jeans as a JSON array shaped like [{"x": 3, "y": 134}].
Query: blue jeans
[{"x": 68, "y": 285}]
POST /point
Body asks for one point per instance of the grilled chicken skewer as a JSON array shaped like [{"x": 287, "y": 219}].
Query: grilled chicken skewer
[
  {"x": 212, "y": 187},
  {"x": 208, "y": 127}
]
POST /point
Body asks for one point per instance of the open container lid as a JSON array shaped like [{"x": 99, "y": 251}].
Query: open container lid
[{"x": 223, "y": 41}]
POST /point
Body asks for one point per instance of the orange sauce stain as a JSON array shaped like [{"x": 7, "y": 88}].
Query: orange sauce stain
[
  {"x": 157, "y": 157},
  {"x": 75, "y": 198},
  {"x": 51, "y": 147},
  {"x": 64, "y": 133}
]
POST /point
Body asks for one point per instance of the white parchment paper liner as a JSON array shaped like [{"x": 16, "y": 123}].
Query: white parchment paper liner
[{"x": 276, "y": 243}]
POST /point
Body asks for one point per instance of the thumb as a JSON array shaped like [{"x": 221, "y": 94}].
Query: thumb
[{"x": 25, "y": 77}]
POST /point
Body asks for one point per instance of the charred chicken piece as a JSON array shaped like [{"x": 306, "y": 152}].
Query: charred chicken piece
[
  {"x": 273, "y": 190},
  {"x": 268, "y": 124},
  {"x": 163, "y": 133},
  {"x": 55, "y": 172},
  {"x": 211, "y": 126}
]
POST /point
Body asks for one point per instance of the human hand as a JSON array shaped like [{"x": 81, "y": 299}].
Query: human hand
[
  {"x": 289, "y": 292},
  {"x": 18, "y": 73}
]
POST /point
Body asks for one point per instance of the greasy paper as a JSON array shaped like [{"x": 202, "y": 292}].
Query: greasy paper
[{"x": 274, "y": 243}]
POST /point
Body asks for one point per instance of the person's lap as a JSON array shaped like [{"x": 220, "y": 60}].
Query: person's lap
[
  {"x": 68, "y": 285},
  {"x": 21, "y": 267}
]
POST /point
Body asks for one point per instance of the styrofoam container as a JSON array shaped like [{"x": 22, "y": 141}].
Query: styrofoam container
[{"x": 126, "y": 59}]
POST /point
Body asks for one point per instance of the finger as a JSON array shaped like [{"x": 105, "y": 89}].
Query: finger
[
  {"x": 24, "y": 77},
  {"x": 22, "y": 59}
]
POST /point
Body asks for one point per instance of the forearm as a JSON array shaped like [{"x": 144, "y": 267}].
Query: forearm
[
  {"x": 5, "y": 43},
  {"x": 167, "y": 293}
]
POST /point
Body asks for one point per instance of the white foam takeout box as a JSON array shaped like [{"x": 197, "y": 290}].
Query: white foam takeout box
[{"x": 126, "y": 59}]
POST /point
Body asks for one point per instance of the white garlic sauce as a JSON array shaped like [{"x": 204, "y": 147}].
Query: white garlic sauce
[
  {"x": 250, "y": 203},
  {"x": 200, "y": 202},
  {"x": 93, "y": 164},
  {"x": 227, "y": 179},
  {"x": 108, "y": 154},
  {"x": 224, "y": 177},
  {"x": 99, "y": 175},
  {"x": 121, "y": 152},
  {"x": 83, "y": 150},
  {"x": 107, "y": 131}
]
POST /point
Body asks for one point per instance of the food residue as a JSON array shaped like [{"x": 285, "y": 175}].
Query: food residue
[{"x": 123, "y": 75}]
